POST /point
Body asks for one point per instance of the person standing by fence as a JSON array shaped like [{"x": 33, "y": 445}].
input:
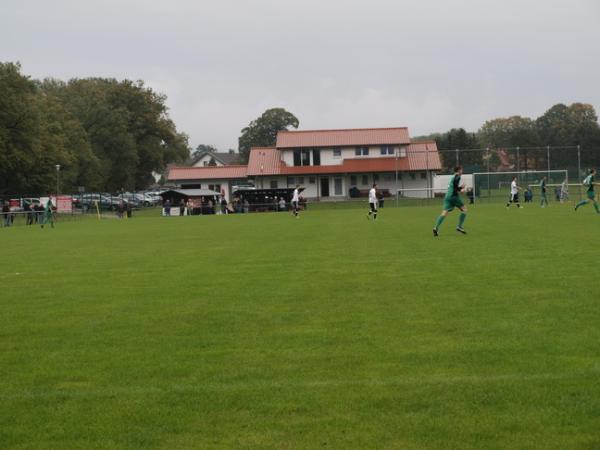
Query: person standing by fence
[
  {"x": 543, "y": 192},
  {"x": 6, "y": 215}
]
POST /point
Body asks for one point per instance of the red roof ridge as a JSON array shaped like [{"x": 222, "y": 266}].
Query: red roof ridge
[
  {"x": 342, "y": 129},
  {"x": 424, "y": 141},
  {"x": 208, "y": 167}
]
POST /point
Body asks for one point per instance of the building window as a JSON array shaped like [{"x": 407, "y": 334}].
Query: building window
[
  {"x": 337, "y": 152},
  {"x": 291, "y": 181},
  {"x": 273, "y": 184},
  {"x": 388, "y": 177},
  {"x": 361, "y": 151},
  {"x": 353, "y": 180},
  {"x": 423, "y": 176},
  {"x": 316, "y": 157},
  {"x": 297, "y": 158},
  {"x": 402, "y": 152},
  {"x": 306, "y": 157},
  {"x": 205, "y": 163},
  {"x": 365, "y": 180},
  {"x": 312, "y": 180},
  {"x": 375, "y": 177},
  {"x": 300, "y": 180},
  {"x": 412, "y": 176},
  {"x": 387, "y": 150}
]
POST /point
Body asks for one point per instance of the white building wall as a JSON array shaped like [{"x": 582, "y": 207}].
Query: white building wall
[
  {"x": 225, "y": 185},
  {"x": 328, "y": 158},
  {"x": 205, "y": 160}
]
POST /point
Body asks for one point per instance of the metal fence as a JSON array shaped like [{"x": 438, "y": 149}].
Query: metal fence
[{"x": 575, "y": 159}]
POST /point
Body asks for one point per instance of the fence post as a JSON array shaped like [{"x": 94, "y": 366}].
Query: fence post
[
  {"x": 518, "y": 160},
  {"x": 457, "y": 158},
  {"x": 548, "y": 152},
  {"x": 578, "y": 161},
  {"x": 427, "y": 170}
]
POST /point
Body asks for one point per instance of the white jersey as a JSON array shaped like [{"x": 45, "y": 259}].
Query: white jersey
[
  {"x": 296, "y": 195},
  {"x": 373, "y": 195},
  {"x": 514, "y": 188}
]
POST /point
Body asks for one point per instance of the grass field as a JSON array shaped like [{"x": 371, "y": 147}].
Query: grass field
[{"x": 331, "y": 331}]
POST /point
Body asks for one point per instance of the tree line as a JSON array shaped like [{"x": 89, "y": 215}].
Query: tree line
[
  {"x": 105, "y": 134},
  {"x": 561, "y": 127}
]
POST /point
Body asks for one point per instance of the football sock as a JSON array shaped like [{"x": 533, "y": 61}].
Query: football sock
[
  {"x": 596, "y": 207},
  {"x": 461, "y": 219},
  {"x": 439, "y": 221},
  {"x": 581, "y": 203}
]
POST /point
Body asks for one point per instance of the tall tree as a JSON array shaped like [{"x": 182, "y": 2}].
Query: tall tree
[
  {"x": 458, "y": 138},
  {"x": 262, "y": 132},
  {"x": 562, "y": 126}
]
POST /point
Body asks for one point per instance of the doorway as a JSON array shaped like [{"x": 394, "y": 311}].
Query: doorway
[{"x": 324, "y": 187}]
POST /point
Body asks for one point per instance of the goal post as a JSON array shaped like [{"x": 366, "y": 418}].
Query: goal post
[{"x": 495, "y": 186}]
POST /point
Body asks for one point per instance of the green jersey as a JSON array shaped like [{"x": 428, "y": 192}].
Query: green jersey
[
  {"x": 453, "y": 187},
  {"x": 589, "y": 182}
]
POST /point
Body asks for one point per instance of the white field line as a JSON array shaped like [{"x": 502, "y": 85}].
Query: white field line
[{"x": 79, "y": 391}]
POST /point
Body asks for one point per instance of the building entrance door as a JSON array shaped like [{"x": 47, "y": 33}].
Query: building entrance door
[{"x": 324, "y": 187}]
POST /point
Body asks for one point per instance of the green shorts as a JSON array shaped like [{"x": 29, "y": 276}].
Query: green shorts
[
  {"x": 591, "y": 195},
  {"x": 452, "y": 202}
]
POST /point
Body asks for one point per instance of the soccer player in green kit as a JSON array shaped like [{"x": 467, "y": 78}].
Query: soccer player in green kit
[
  {"x": 451, "y": 201},
  {"x": 543, "y": 192},
  {"x": 591, "y": 195}
]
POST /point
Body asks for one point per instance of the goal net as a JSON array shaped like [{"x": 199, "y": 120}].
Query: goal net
[{"x": 495, "y": 186}]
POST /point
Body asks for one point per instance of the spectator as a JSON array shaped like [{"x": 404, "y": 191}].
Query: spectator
[
  {"x": 224, "y": 209},
  {"x": 190, "y": 207},
  {"x": 471, "y": 196},
  {"x": 182, "y": 207},
  {"x": 282, "y": 206},
  {"x": 129, "y": 208},
  {"x": 6, "y": 215},
  {"x": 167, "y": 207},
  {"x": 29, "y": 212},
  {"x": 120, "y": 208},
  {"x": 246, "y": 206}
]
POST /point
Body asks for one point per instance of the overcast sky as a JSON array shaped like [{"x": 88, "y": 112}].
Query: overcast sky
[{"x": 429, "y": 65}]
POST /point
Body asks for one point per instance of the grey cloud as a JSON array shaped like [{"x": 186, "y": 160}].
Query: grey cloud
[{"x": 428, "y": 65}]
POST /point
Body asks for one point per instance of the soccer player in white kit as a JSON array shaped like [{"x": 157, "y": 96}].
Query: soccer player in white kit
[
  {"x": 373, "y": 202},
  {"x": 296, "y": 200},
  {"x": 514, "y": 193}
]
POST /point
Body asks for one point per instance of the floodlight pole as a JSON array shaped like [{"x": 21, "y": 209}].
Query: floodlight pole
[{"x": 57, "y": 179}]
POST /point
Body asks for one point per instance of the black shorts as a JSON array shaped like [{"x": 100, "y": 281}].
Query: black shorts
[
  {"x": 514, "y": 198},
  {"x": 373, "y": 207},
  {"x": 295, "y": 205}
]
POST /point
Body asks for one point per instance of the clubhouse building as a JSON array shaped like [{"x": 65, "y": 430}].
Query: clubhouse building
[{"x": 329, "y": 164}]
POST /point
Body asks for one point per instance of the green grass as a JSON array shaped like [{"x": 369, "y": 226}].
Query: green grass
[{"x": 261, "y": 331}]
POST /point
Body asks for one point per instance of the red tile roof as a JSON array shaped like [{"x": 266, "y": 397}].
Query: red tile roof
[
  {"x": 424, "y": 155},
  {"x": 340, "y": 138},
  {"x": 264, "y": 161},
  {"x": 207, "y": 173}
]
